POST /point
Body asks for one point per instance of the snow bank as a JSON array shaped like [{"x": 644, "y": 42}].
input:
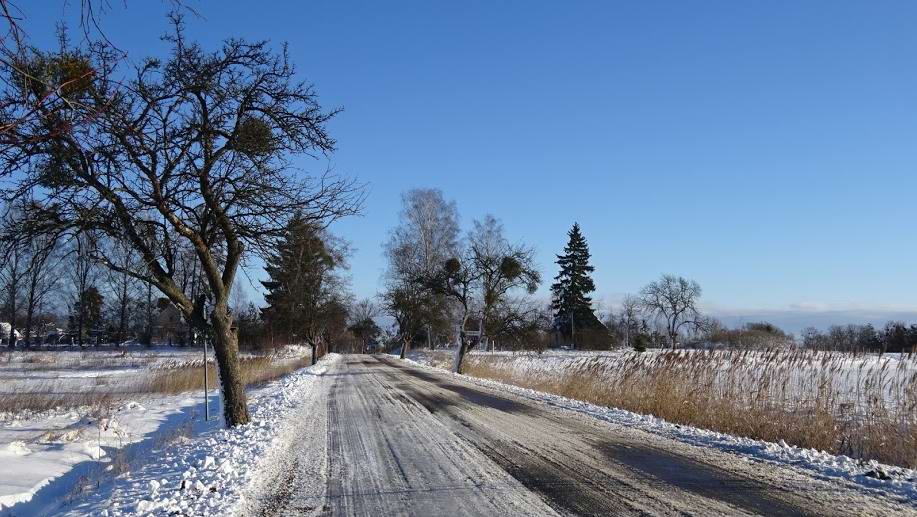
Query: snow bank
[
  {"x": 45, "y": 454},
  {"x": 183, "y": 466}
]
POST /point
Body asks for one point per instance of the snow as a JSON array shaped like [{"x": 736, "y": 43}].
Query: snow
[
  {"x": 203, "y": 475},
  {"x": 894, "y": 481},
  {"x": 55, "y": 455},
  {"x": 105, "y": 370},
  {"x": 47, "y": 450},
  {"x": 154, "y": 455}
]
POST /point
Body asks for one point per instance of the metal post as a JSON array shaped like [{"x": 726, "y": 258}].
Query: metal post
[{"x": 206, "y": 387}]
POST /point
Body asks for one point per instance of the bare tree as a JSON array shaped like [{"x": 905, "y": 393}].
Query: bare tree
[
  {"x": 673, "y": 299},
  {"x": 501, "y": 267},
  {"x": 14, "y": 268},
  {"x": 459, "y": 281},
  {"x": 411, "y": 305},
  {"x": 427, "y": 234},
  {"x": 426, "y": 237},
  {"x": 122, "y": 286},
  {"x": 15, "y": 48},
  {"x": 83, "y": 272},
  {"x": 363, "y": 322},
  {"x": 41, "y": 279},
  {"x": 631, "y": 307},
  {"x": 519, "y": 320},
  {"x": 194, "y": 150}
]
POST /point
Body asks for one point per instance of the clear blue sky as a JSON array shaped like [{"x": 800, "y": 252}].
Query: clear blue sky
[{"x": 765, "y": 149}]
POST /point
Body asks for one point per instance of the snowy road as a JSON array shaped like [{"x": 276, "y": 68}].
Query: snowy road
[{"x": 403, "y": 440}]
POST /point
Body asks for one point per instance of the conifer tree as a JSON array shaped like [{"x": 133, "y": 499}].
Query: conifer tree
[
  {"x": 571, "y": 288},
  {"x": 301, "y": 284}
]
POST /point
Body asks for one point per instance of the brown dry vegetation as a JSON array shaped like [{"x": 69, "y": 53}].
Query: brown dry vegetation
[
  {"x": 43, "y": 400},
  {"x": 826, "y": 401},
  {"x": 255, "y": 370},
  {"x": 163, "y": 380}
]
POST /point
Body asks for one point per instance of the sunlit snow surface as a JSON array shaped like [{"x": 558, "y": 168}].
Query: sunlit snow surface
[{"x": 61, "y": 456}]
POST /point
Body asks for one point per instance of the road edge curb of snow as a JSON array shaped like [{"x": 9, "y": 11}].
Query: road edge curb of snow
[
  {"x": 900, "y": 485},
  {"x": 208, "y": 474}
]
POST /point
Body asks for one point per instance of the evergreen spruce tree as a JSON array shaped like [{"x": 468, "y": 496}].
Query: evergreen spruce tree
[
  {"x": 571, "y": 288},
  {"x": 299, "y": 287}
]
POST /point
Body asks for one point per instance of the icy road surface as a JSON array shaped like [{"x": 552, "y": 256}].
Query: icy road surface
[{"x": 402, "y": 440}]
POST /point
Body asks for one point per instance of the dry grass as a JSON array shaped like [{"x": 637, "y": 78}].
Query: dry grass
[
  {"x": 826, "y": 401},
  {"x": 255, "y": 370},
  {"x": 170, "y": 379},
  {"x": 44, "y": 400}
]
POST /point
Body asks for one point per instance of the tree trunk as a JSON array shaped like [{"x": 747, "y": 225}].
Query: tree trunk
[
  {"x": 12, "y": 302},
  {"x": 149, "y": 314},
  {"x": 122, "y": 317},
  {"x": 226, "y": 349},
  {"x": 312, "y": 343},
  {"x": 405, "y": 344},
  {"x": 29, "y": 312},
  {"x": 460, "y": 353},
  {"x": 79, "y": 320},
  {"x": 28, "y": 328}
]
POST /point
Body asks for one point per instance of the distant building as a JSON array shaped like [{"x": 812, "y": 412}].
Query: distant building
[{"x": 5, "y": 333}]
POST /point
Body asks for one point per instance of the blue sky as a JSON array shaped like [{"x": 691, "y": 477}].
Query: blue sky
[{"x": 765, "y": 149}]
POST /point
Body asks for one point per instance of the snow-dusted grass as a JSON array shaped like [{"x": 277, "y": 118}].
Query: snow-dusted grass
[
  {"x": 209, "y": 473},
  {"x": 872, "y": 476},
  {"x": 72, "y": 416},
  {"x": 255, "y": 370},
  {"x": 862, "y": 406},
  {"x": 56, "y": 379},
  {"x": 56, "y": 452}
]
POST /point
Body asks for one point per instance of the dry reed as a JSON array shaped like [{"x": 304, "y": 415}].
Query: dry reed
[
  {"x": 255, "y": 370},
  {"x": 861, "y": 406},
  {"x": 169, "y": 379}
]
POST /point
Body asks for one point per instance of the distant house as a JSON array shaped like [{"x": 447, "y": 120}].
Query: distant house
[
  {"x": 170, "y": 326},
  {"x": 5, "y": 333}
]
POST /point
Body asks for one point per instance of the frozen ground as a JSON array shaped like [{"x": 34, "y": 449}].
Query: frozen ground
[
  {"x": 103, "y": 371},
  {"x": 896, "y": 481},
  {"x": 401, "y": 439},
  {"x": 360, "y": 435},
  {"x": 57, "y": 454}
]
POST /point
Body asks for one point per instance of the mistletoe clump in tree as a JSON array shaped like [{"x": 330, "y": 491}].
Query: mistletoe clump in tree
[
  {"x": 570, "y": 300},
  {"x": 188, "y": 152}
]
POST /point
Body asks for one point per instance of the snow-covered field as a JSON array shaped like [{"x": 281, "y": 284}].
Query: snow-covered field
[
  {"x": 871, "y": 475},
  {"x": 76, "y": 371},
  {"x": 101, "y": 371},
  {"x": 854, "y": 380},
  {"x": 105, "y": 420},
  {"x": 154, "y": 454}
]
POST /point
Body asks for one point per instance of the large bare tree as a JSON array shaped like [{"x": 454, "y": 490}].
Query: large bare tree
[
  {"x": 501, "y": 267},
  {"x": 41, "y": 280},
  {"x": 16, "y": 44},
  {"x": 673, "y": 299},
  {"x": 191, "y": 150},
  {"x": 427, "y": 236}
]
